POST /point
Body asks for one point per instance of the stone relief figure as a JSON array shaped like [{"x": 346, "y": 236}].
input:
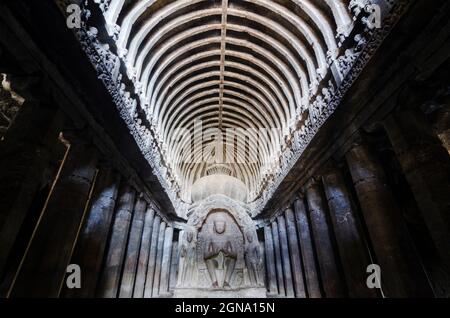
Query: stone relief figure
[
  {"x": 222, "y": 251},
  {"x": 253, "y": 259},
  {"x": 187, "y": 260},
  {"x": 217, "y": 244}
]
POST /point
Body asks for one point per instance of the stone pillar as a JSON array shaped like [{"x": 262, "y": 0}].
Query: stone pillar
[
  {"x": 143, "y": 254},
  {"x": 401, "y": 276},
  {"x": 331, "y": 279},
  {"x": 110, "y": 278},
  {"x": 294, "y": 252},
  {"x": 158, "y": 262},
  {"x": 132, "y": 254},
  {"x": 165, "y": 265},
  {"x": 278, "y": 259},
  {"x": 263, "y": 263},
  {"x": 25, "y": 156},
  {"x": 152, "y": 258},
  {"x": 426, "y": 166},
  {"x": 49, "y": 251},
  {"x": 307, "y": 250},
  {"x": 181, "y": 234},
  {"x": 270, "y": 261},
  {"x": 287, "y": 271},
  {"x": 91, "y": 244},
  {"x": 173, "y": 267},
  {"x": 353, "y": 250}
]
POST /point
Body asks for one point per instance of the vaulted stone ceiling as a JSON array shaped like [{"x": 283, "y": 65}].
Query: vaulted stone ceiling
[{"x": 234, "y": 64}]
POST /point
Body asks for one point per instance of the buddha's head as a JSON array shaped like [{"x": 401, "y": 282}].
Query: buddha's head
[{"x": 220, "y": 224}]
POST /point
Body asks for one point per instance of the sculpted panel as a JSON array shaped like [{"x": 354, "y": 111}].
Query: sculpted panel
[{"x": 220, "y": 248}]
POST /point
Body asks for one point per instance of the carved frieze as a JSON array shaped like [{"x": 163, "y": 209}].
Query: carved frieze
[{"x": 354, "y": 53}]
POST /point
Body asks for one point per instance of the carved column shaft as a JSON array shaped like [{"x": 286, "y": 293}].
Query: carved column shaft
[
  {"x": 426, "y": 165},
  {"x": 152, "y": 258},
  {"x": 132, "y": 253},
  {"x": 144, "y": 254},
  {"x": 331, "y": 280},
  {"x": 352, "y": 248},
  {"x": 50, "y": 249},
  {"x": 262, "y": 248},
  {"x": 307, "y": 250},
  {"x": 401, "y": 275},
  {"x": 294, "y": 251},
  {"x": 158, "y": 263},
  {"x": 270, "y": 261},
  {"x": 110, "y": 278},
  {"x": 278, "y": 259},
  {"x": 91, "y": 244},
  {"x": 173, "y": 267},
  {"x": 287, "y": 271},
  {"x": 165, "y": 265}
]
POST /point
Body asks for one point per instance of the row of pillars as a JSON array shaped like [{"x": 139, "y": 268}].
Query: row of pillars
[
  {"x": 62, "y": 204},
  {"x": 322, "y": 245},
  {"x": 128, "y": 255}
]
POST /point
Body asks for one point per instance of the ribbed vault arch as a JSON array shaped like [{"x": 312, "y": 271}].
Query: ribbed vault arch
[{"x": 233, "y": 64}]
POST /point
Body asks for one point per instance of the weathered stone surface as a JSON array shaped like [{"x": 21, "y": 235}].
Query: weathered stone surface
[
  {"x": 44, "y": 266},
  {"x": 313, "y": 86},
  {"x": 270, "y": 261},
  {"x": 401, "y": 273},
  {"x": 25, "y": 154},
  {"x": 132, "y": 254},
  {"x": 158, "y": 260},
  {"x": 166, "y": 258},
  {"x": 91, "y": 244},
  {"x": 174, "y": 267},
  {"x": 144, "y": 252},
  {"x": 426, "y": 165},
  {"x": 110, "y": 278},
  {"x": 247, "y": 292},
  {"x": 294, "y": 252},
  {"x": 307, "y": 250},
  {"x": 331, "y": 280},
  {"x": 284, "y": 245},
  {"x": 219, "y": 248},
  {"x": 152, "y": 258},
  {"x": 188, "y": 274},
  {"x": 278, "y": 259},
  {"x": 353, "y": 250},
  {"x": 297, "y": 85},
  {"x": 220, "y": 242}
]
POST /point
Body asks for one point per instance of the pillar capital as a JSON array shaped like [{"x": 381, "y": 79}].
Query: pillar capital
[
  {"x": 331, "y": 167},
  {"x": 312, "y": 183},
  {"x": 359, "y": 140}
]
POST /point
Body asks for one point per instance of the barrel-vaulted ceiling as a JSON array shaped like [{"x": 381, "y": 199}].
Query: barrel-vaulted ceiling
[
  {"x": 228, "y": 63},
  {"x": 231, "y": 64}
]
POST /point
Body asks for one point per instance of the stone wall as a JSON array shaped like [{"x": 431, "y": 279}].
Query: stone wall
[{"x": 383, "y": 201}]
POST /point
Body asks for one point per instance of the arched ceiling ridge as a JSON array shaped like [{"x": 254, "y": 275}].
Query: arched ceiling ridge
[{"x": 240, "y": 65}]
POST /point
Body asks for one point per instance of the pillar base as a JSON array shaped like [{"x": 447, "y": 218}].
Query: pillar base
[{"x": 250, "y": 292}]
